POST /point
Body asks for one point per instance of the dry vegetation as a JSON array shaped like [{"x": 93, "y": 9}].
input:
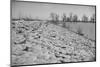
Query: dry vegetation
[{"x": 39, "y": 42}]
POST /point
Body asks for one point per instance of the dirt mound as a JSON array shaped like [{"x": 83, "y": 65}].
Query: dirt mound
[{"x": 35, "y": 42}]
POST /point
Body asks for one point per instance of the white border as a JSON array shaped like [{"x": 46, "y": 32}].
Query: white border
[{"x": 5, "y": 33}]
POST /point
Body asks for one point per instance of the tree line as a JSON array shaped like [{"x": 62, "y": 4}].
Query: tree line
[
  {"x": 71, "y": 18},
  {"x": 56, "y": 18}
]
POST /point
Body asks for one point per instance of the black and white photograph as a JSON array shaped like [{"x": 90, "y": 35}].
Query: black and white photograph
[{"x": 44, "y": 33}]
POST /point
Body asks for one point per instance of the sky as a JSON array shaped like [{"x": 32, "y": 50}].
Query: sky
[{"x": 43, "y": 10}]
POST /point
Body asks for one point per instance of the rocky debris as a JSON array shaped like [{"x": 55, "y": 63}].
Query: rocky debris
[{"x": 35, "y": 42}]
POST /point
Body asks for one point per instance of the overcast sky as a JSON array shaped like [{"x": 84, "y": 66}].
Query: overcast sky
[{"x": 43, "y": 10}]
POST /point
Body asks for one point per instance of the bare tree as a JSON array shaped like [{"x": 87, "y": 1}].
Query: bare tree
[
  {"x": 64, "y": 18},
  {"x": 54, "y": 17},
  {"x": 71, "y": 16},
  {"x": 92, "y": 19},
  {"x": 68, "y": 19},
  {"x": 84, "y": 18},
  {"x": 75, "y": 18}
]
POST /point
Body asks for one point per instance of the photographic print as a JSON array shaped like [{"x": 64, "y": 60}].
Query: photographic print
[{"x": 52, "y": 33}]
